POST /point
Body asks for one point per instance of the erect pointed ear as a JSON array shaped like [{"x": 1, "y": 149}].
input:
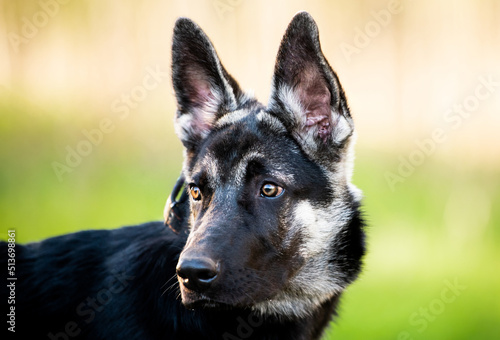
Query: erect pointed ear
[
  {"x": 306, "y": 94},
  {"x": 203, "y": 88}
]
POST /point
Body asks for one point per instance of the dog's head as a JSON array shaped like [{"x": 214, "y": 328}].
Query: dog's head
[{"x": 274, "y": 222}]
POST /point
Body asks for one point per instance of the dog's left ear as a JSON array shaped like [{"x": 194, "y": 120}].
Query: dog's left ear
[
  {"x": 203, "y": 88},
  {"x": 306, "y": 93}
]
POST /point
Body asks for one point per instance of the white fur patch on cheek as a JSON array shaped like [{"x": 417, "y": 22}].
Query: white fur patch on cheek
[
  {"x": 316, "y": 226},
  {"x": 318, "y": 280}
]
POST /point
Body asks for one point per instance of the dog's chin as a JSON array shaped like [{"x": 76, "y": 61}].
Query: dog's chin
[
  {"x": 206, "y": 304},
  {"x": 192, "y": 301}
]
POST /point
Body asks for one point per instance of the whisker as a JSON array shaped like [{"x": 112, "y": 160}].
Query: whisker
[
  {"x": 170, "y": 287},
  {"x": 175, "y": 275}
]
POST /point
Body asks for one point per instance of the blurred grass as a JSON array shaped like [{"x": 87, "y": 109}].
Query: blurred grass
[
  {"x": 417, "y": 241},
  {"x": 124, "y": 180},
  {"x": 441, "y": 224}
]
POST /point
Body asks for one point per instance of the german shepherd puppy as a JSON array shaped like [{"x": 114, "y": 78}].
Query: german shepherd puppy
[{"x": 262, "y": 242}]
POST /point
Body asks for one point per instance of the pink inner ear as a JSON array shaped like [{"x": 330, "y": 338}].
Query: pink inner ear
[
  {"x": 315, "y": 98},
  {"x": 198, "y": 87},
  {"x": 200, "y": 94},
  {"x": 203, "y": 101}
]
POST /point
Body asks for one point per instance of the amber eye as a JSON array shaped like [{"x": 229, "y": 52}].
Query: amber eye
[
  {"x": 195, "y": 193},
  {"x": 271, "y": 190}
]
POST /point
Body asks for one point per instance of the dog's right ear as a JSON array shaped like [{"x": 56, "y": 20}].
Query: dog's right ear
[{"x": 203, "y": 88}]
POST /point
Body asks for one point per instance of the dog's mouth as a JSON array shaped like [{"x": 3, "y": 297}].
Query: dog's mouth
[
  {"x": 205, "y": 302},
  {"x": 214, "y": 300}
]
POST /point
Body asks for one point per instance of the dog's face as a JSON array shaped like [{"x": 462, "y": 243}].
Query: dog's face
[{"x": 274, "y": 221}]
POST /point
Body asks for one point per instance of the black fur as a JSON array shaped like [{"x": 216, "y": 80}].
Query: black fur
[{"x": 60, "y": 277}]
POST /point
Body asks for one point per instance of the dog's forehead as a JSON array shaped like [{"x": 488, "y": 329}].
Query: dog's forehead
[{"x": 242, "y": 137}]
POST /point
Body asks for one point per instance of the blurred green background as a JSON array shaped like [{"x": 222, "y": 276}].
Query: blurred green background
[{"x": 423, "y": 82}]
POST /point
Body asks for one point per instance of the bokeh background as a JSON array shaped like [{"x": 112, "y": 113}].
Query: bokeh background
[{"x": 423, "y": 82}]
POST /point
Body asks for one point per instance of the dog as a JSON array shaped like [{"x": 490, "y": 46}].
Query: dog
[{"x": 264, "y": 238}]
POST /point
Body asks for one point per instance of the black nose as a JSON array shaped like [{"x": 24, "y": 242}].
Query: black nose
[{"x": 197, "y": 274}]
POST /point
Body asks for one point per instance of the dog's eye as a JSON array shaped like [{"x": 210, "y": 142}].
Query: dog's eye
[
  {"x": 195, "y": 193},
  {"x": 271, "y": 190}
]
